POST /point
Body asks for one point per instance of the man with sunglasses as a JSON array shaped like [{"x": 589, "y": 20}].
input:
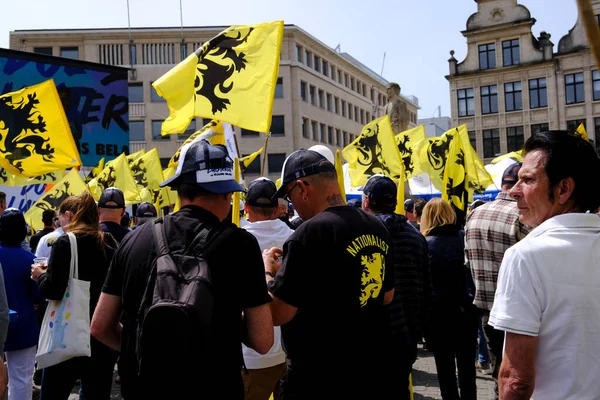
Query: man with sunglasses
[{"x": 330, "y": 289}]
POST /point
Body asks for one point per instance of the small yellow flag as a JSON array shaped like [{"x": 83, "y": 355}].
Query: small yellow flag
[
  {"x": 133, "y": 156},
  {"x": 147, "y": 172},
  {"x": 95, "y": 171},
  {"x": 35, "y": 137},
  {"x": 581, "y": 132},
  {"x": 72, "y": 184},
  {"x": 374, "y": 152},
  {"x": 213, "y": 132},
  {"x": 231, "y": 78},
  {"x": 249, "y": 159},
  {"x": 117, "y": 173}
]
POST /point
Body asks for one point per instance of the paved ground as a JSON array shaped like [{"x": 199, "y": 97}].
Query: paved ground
[
  {"x": 424, "y": 380},
  {"x": 426, "y": 385}
]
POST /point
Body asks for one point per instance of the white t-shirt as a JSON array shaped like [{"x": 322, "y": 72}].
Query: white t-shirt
[
  {"x": 549, "y": 286},
  {"x": 269, "y": 234},
  {"x": 44, "y": 248}
]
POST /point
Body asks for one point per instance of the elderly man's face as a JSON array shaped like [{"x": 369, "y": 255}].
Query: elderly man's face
[{"x": 532, "y": 192}]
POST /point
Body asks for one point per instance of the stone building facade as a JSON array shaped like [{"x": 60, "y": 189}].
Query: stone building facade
[
  {"x": 323, "y": 96},
  {"x": 512, "y": 84}
]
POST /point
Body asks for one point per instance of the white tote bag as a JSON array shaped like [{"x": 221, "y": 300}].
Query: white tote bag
[{"x": 65, "y": 332}]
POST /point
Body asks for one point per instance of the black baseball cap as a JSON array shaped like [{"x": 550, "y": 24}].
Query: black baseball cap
[
  {"x": 146, "y": 209},
  {"x": 302, "y": 163},
  {"x": 381, "y": 191},
  {"x": 409, "y": 205},
  {"x": 510, "y": 176},
  {"x": 112, "y": 197},
  {"x": 206, "y": 165},
  {"x": 261, "y": 193}
]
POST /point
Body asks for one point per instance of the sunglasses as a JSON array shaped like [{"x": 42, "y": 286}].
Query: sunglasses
[{"x": 286, "y": 196}]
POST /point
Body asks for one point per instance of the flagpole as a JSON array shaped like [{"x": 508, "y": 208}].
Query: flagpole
[
  {"x": 237, "y": 149},
  {"x": 262, "y": 167}
]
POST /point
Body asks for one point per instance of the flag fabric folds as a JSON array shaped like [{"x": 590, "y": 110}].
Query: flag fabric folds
[
  {"x": 35, "y": 137},
  {"x": 133, "y": 156},
  {"x": 249, "y": 159},
  {"x": 116, "y": 173},
  {"x": 455, "y": 190},
  {"x": 406, "y": 142},
  {"x": 213, "y": 132},
  {"x": 95, "y": 171},
  {"x": 231, "y": 78},
  {"x": 72, "y": 184},
  {"x": 515, "y": 155},
  {"x": 374, "y": 152},
  {"x": 581, "y": 132},
  {"x": 51, "y": 178},
  {"x": 147, "y": 172}
]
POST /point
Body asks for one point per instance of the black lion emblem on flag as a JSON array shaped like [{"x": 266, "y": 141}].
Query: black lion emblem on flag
[
  {"x": 21, "y": 126},
  {"x": 139, "y": 172},
  {"x": 107, "y": 180},
  {"x": 214, "y": 73},
  {"x": 53, "y": 200},
  {"x": 370, "y": 154},
  {"x": 437, "y": 152}
]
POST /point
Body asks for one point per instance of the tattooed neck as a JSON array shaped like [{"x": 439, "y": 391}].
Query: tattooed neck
[{"x": 335, "y": 200}]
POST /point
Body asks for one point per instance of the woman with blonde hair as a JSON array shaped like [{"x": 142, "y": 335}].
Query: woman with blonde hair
[
  {"x": 452, "y": 328},
  {"x": 94, "y": 252}
]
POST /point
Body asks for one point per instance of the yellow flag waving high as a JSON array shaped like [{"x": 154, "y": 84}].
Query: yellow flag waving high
[
  {"x": 231, "y": 78},
  {"x": 148, "y": 174},
  {"x": 455, "y": 176},
  {"x": 35, "y": 137},
  {"x": 374, "y": 152},
  {"x": 117, "y": 173},
  {"x": 406, "y": 142},
  {"x": 72, "y": 184},
  {"x": 95, "y": 171}
]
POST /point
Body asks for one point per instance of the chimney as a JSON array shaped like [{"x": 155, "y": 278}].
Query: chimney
[
  {"x": 453, "y": 63},
  {"x": 546, "y": 45}
]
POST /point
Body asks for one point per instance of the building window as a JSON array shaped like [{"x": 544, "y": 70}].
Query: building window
[
  {"x": 466, "y": 102},
  {"x": 489, "y": 99},
  {"x": 275, "y": 162},
  {"x": 339, "y": 76},
  {"x": 345, "y": 137},
  {"x": 346, "y": 80},
  {"x": 538, "y": 95},
  {"x": 308, "y": 57},
  {"x": 336, "y": 105},
  {"x": 303, "y": 90},
  {"x": 574, "y": 124},
  {"x": 253, "y": 168},
  {"x": 510, "y": 52},
  {"x": 183, "y": 51},
  {"x": 332, "y": 74},
  {"x": 537, "y": 128},
  {"x": 364, "y": 90},
  {"x": 322, "y": 126},
  {"x": 597, "y": 132},
  {"x": 299, "y": 53},
  {"x": 305, "y": 128},
  {"x": 352, "y": 83},
  {"x": 473, "y": 139},
  {"x": 47, "y": 51},
  {"x": 343, "y": 108},
  {"x": 188, "y": 132},
  {"x": 512, "y": 96},
  {"x": 137, "y": 131},
  {"x": 368, "y": 117},
  {"x": 356, "y": 113},
  {"x": 132, "y": 54},
  {"x": 70, "y": 52},
  {"x": 312, "y": 95},
  {"x": 596, "y": 84},
  {"x": 329, "y": 97},
  {"x": 350, "y": 109},
  {"x": 491, "y": 143},
  {"x": 154, "y": 97},
  {"x": 515, "y": 138},
  {"x": 315, "y": 132},
  {"x": 278, "y": 125},
  {"x": 317, "y": 63},
  {"x": 338, "y": 138},
  {"x": 574, "y": 88},
  {"x": 136, "y": 92},
  {"x": 279, "y": 89},
  {"x": 156, "y": 125},
  {"x": 325, "y": 68},
  {"x": 362, "y": 117},
  {"x": 249, "y": 133},
  {"x": 321, "y": 98},
  {"x": 158, "y": 53},
  {"x": 329, "y": 135},
  {"x": 487, "y": 56}
]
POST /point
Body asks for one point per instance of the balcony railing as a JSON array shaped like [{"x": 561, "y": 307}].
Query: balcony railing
[
  {"x": 137, "y": 109},
  {"x": 136, "y": 146}
]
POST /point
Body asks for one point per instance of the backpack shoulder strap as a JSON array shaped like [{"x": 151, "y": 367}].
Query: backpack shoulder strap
[
  {"x": 160, "y": 237},
  {"x": 217, "y": 240}
]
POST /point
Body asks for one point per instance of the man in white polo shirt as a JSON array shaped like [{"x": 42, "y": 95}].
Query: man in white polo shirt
[{"x": 548, "y": 294}]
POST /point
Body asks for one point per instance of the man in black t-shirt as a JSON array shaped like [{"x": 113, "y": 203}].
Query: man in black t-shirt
[
  {"x": 204, "y": 183},
  {"x": 48, "y": 220},
  {"x": 329, "y": 293}
]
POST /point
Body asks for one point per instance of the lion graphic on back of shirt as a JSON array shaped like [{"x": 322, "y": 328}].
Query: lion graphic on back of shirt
[{"x": 372, "y": 277}]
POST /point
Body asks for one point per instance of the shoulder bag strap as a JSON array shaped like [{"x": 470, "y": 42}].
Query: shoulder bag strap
[
  {"x": 160, "y": 237},
  {"x": 74, "y": 269}
]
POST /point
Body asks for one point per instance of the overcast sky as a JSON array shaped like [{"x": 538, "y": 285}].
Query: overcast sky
[{"x": 416, "y": 35}]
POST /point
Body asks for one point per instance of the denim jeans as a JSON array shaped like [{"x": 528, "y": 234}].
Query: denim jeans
[{"x": 482, "y": 345}]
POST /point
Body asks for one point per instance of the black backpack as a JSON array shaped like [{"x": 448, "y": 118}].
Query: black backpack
[{"x": 173, "y": 335}]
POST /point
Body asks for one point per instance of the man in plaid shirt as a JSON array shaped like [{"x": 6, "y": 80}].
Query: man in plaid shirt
[{"x": 489, "y": 231}]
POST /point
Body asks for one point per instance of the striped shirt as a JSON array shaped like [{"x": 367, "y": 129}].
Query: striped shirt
[{"x": 490, "y": 230}]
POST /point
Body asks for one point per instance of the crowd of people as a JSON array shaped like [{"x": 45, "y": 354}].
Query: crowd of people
[{"x": 313, "y": 297}]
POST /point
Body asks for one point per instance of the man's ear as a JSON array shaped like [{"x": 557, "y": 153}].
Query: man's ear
[{"x": 565, "y": 189}]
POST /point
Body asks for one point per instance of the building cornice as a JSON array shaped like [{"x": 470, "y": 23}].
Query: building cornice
[{"x": 502, "y": 70}]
